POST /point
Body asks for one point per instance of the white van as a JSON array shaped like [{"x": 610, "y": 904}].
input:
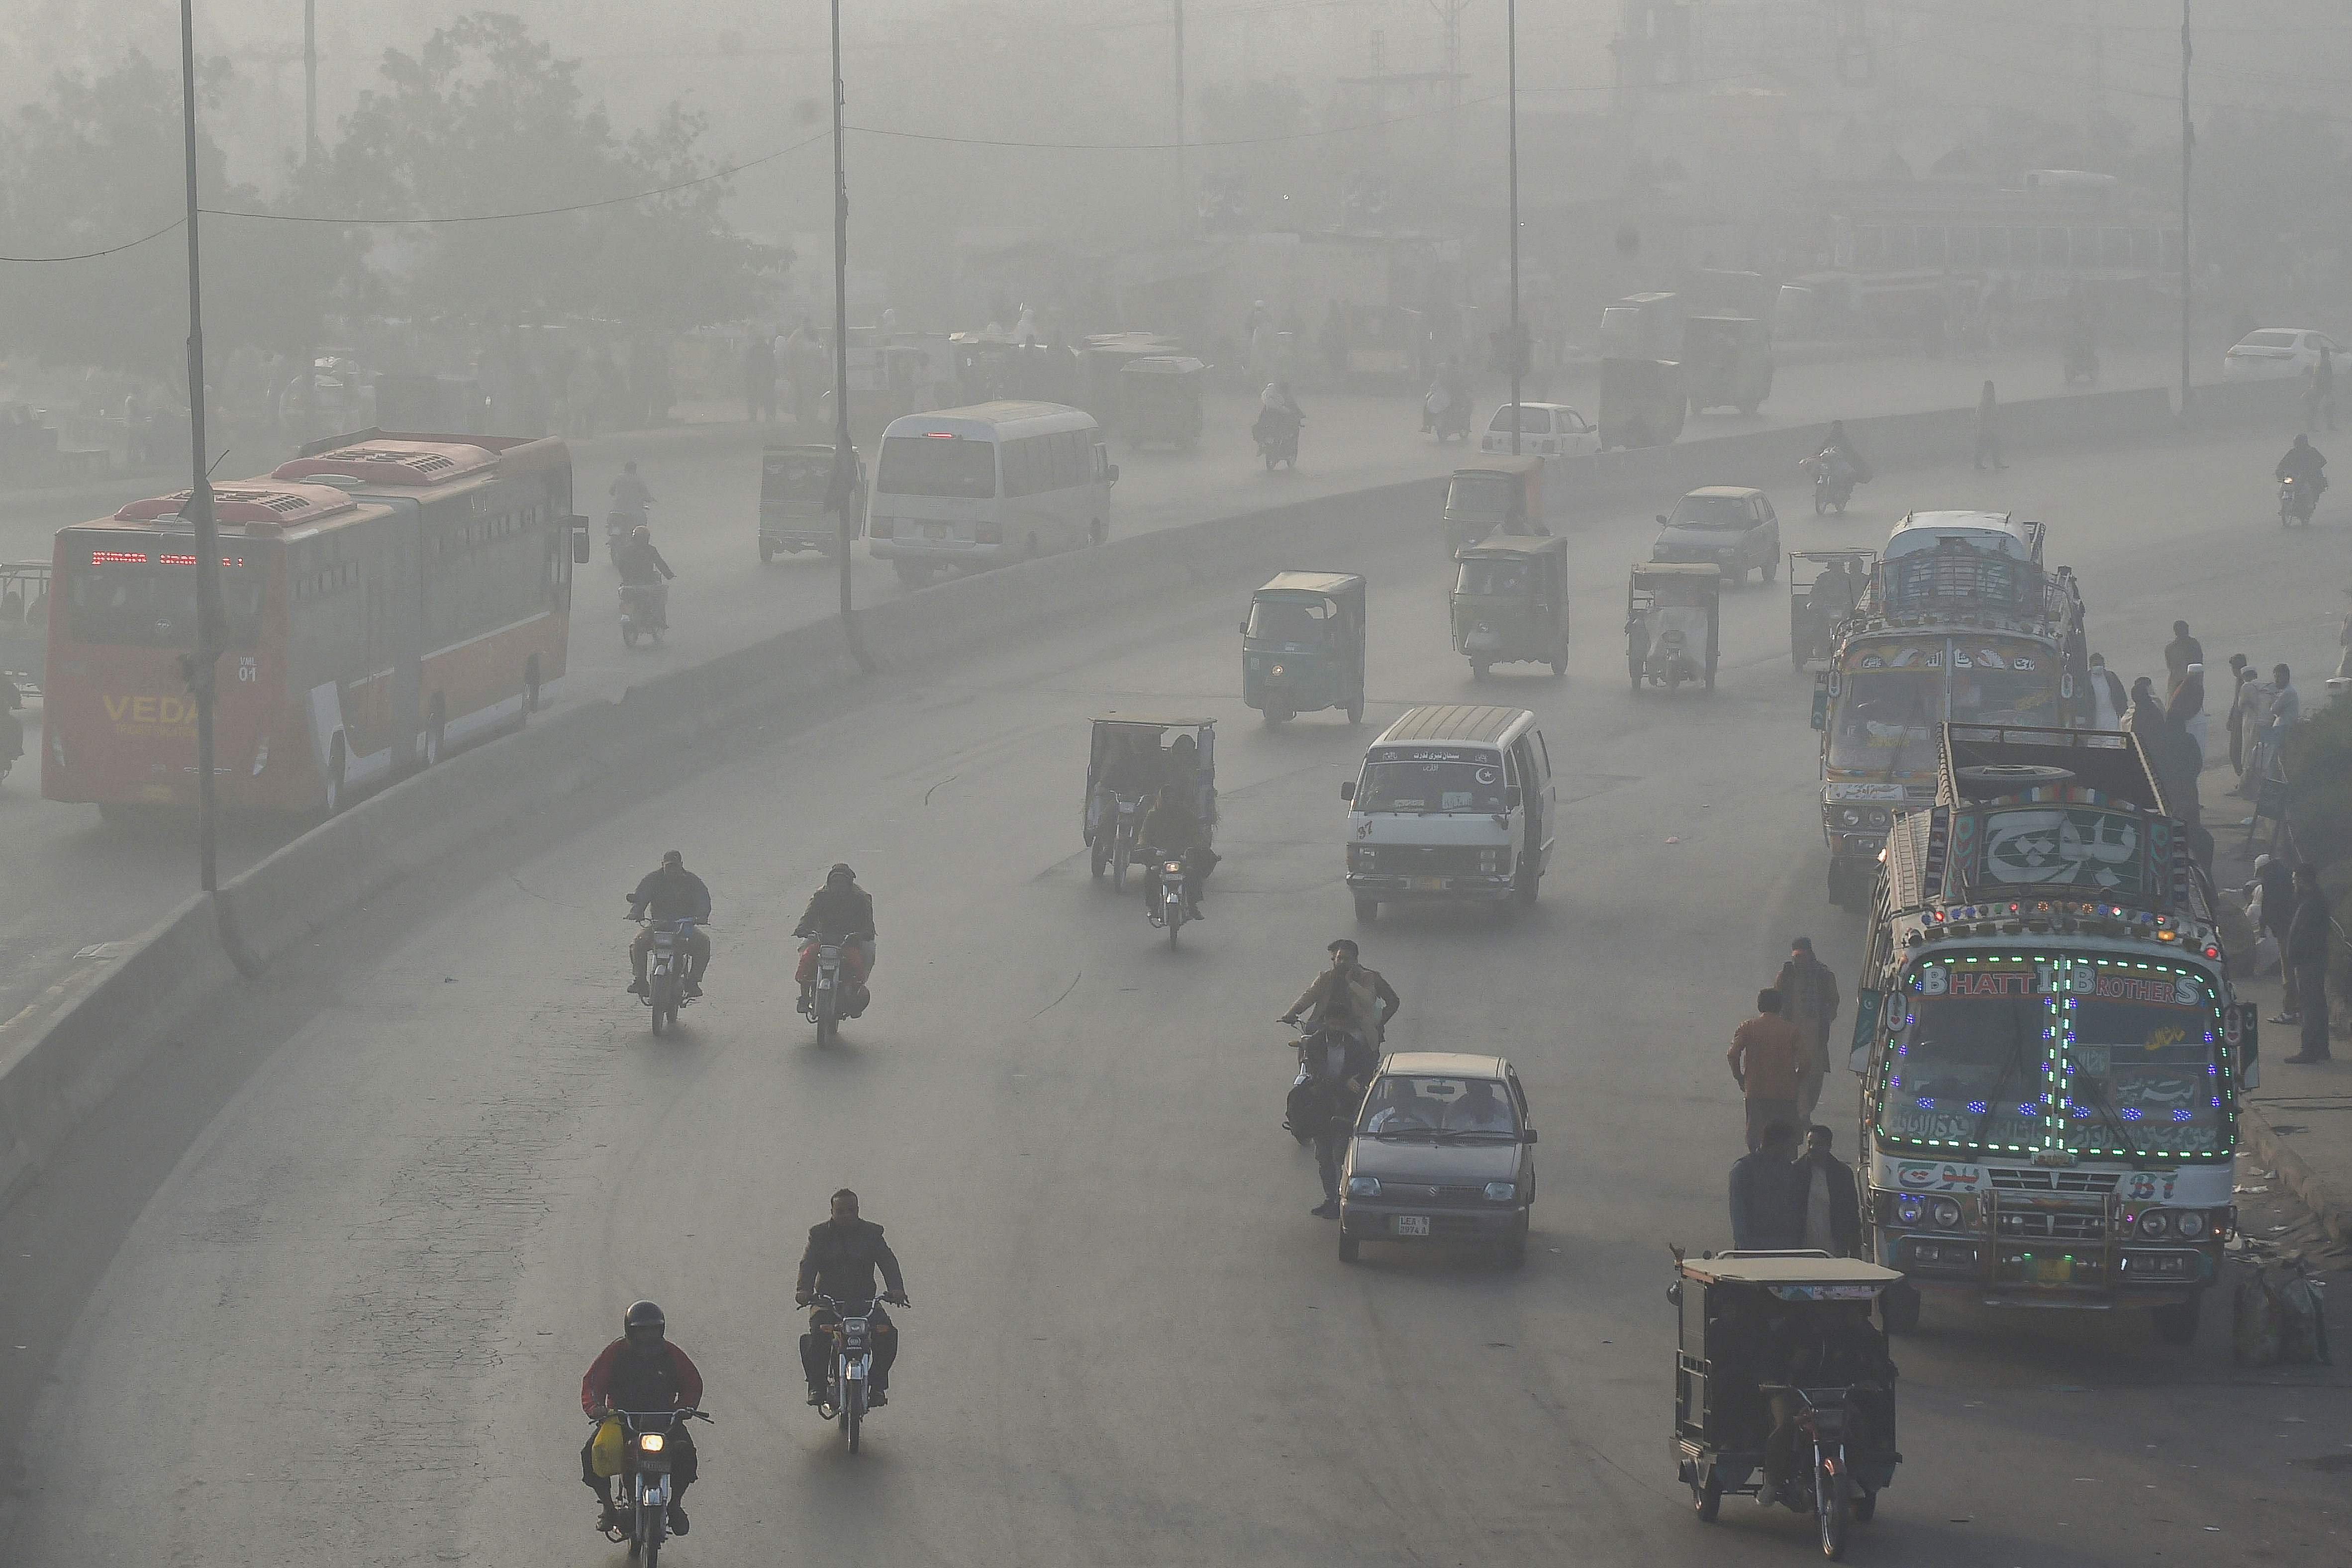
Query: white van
[
  {"x": 997, "y": 481},
  {"x": 1455, "y": 802}
]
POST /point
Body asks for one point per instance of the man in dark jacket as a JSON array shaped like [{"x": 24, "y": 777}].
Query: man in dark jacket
[
  {"x": 839, "y": 912},
  {"x": 642, "y": 1371},
  {"x": 2306, "y": 955},
  {"x": 1809, "y": 999},
  {"x": 1768, "y": 1193},
  {"x": 2275, "y": 878},
  {"x": 1832, "y": 1207},
  {"x": 1340, "y": 1067},
  {"x": 2181, "y": 652},
  {"x": 1170, "y": 828},
  {"x": 646, "y": 576},
  {"x": 842, "y": 1254},
  {"x": 670, "y": 892}
]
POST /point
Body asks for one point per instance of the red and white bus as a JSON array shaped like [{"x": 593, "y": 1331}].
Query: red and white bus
[{"x": 388, "y": 597}]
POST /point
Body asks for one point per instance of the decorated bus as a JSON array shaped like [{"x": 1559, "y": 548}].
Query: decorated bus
[
  {"x": 1961, "y": 621},
  {"x": 2050, "y": 1048},
  {"x": 387, "y": 598}
]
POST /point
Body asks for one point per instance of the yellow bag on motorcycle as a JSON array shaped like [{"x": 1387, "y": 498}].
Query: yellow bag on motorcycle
[{"x": 605, "y": 1454}]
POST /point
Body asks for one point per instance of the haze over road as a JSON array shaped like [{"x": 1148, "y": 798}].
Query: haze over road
[{"x": 375, "y": 1220}]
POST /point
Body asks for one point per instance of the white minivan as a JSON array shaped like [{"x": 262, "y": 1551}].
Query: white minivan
[
  {"x": 1455, "y": 802},
  {"x": 967, "y": 488}
]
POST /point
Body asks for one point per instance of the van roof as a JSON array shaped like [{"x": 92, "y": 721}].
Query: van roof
[
  {"x": 989, "y": 418},
  {"x": 1453, "y": 722}
]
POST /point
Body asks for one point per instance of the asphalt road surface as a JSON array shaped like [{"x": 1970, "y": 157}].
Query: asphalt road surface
[{"x": 319, "y": 1287}]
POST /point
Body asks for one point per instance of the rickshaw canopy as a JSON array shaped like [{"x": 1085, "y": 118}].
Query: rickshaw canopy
[
  {"x": 1804, "y": 1273},
  {"x": 1677, "y": 582}
]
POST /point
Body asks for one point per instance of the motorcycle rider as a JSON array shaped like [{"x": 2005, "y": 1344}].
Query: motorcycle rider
[
  {"x": 1133, "y": 772},
  {"x": 2304, "y": 465},
  {"x": 1171, "y": 831},
  {"x": 1841, "y": 457},
  {"x": 1351, "y": 1008},
  {"x": 645, "y": 575},
  {"x": 629, "y": 494},
  {"x": 1279, "y": 415},
  {"x": 642, "y": 1371},
  {"x": 839, "y": 912},
  {"x": 670, "y": 892},
  {"x": 842, "y": 1256}
]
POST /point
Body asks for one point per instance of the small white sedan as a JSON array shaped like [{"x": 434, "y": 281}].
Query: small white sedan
[
  {"x": 2276, "y": 352},
  {"x": 1546, "y": 430}
]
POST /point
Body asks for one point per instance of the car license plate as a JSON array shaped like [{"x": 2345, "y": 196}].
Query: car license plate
[
  {"x": 1413, "y": 1225},
  {"x": 935, "y": 531},
  {"x": 2053, "y": 1271},
  {"x": 1426, "y": 884}
]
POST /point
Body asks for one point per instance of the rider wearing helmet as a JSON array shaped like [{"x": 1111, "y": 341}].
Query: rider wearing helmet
[
  {"x": 642, "y": 1371},
  {"x": 839, "y": 912},
  {"x": 2303, "y": 464}
]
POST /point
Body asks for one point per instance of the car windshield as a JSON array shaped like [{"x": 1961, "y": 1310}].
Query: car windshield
[
  {"x": 2145, "y": 1073},
  {"x": 937, "y": 466},
  {"x": 1430, "y": 787},
  {"x": 2025, "y": 692},
  {"x": 1970, "y": 1069},
  {"x": 1712, "y": 512},
  {"x": 2268, "y": 340},
  {"x": 130, "y": 605},
  {"x": 1480, "y": 495},
  {"x": 1489, "y": 574},
  {"x": 1885, "y": 721},
  {"x": 1291, "y": 621},
  {"x": 1532, "y": 421},
  {"x": 1404, "y": 1105}
]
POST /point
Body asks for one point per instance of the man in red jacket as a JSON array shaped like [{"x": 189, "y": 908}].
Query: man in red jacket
[{"x": 641, "y": 1371}]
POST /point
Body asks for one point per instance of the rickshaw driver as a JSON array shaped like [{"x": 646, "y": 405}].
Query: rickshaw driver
[
  {"x": 1133, "y": 772},
  {"x": 1837, "y": 1348}
]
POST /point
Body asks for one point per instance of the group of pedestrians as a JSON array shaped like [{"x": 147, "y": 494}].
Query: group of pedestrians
[
  {"x": 1783, "y": 1196},
  {"x": 2290, "y": 908}
]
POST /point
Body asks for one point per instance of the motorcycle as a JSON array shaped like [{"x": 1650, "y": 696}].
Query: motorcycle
[
  {"x": 1276, "y": 435},
  {"x": 852, "y": 1362},
  {"x": 1833, "y": 481},
  {"x": 1670, "y": 662},
  {"x": 645, "y": 612},
  {"x": 641, "y": 1505},
  {"x": 1125, "y": 832},
  {"x": 2297, "y": 501},
  {"x": 1299, "y": 1102},
  {"x": 1827, "y": 1489},
  {"x": 829, "y": 998},
  {"x": 666, "y": 972},
  {"x": 1170, "y": 907}
]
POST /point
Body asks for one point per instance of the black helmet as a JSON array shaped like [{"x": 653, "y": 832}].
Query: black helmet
[
  {"x": 840, "y": 873},
  {"x": 643, "y": 1324}
]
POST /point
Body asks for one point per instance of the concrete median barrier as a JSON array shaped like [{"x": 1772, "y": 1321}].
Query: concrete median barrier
[{"x": 64, "y": 1054}]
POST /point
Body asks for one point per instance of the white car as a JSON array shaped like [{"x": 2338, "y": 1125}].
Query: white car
[
  {"x": 2275, "y": 352},
  {"x": 1546, "y": 430}
]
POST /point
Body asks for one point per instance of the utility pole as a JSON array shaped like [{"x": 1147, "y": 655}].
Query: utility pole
[
  {"x": 199, "y": 665},
  {"x": 1183, "y": 196},
  {"x": 1518, "y": 345},
  {"x": 1449, "y": 13},
  {"x": 843, "y": 492},
  {"x": 2188, "y": 152},
  {"x": 310, "y": 81}
]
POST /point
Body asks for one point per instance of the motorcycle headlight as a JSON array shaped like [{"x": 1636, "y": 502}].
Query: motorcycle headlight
[
  {"x": 1173, "y": 868},
  {"x": 2155, "y": 1225},
  {"x": 651, "y": 1442},
  {"x": 1501, "y": 1191},
  {"x": 1363, "y": 1186},
  {"x": 1944, "y": 1213},
  {"x": 2189, "y": 1224}
]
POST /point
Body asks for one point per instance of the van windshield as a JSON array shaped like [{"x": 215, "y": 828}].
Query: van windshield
[
  {"x": 949, "y": 465},
  {"x": 1432, "y": 787}
]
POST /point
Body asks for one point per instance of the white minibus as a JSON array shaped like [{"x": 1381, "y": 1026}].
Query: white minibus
[{"x": 967, "y": 488}]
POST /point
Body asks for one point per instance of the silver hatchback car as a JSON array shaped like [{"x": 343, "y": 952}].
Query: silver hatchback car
[{"x": 1441, "y": 1152}]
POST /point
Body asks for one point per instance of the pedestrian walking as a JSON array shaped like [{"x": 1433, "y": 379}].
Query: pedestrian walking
[
  {"x": 2275, "y": 879},
  {"x": 2108, "y": 703},
  {"x": 2186, "y": 713},
  {"x": 2240, "y": 679},
  {"x": 1767, "y": 1055},
  {"x": 2307, "y": 943},
  {"x": 1988, "y": 430},
  {"x": 2181, "y": 652},
  {"x": 1832, "y": 1203},
  {"x": 1809, "y": 999},
  {"x": 1768, "y": 1193}
]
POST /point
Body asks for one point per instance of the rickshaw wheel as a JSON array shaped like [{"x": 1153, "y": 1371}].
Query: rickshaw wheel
[
  {"x": 1099, "y": 855},
  {"x": 1367, "y": 909},
  {"x": 1559, "y": 667},
  {"x": 1706, "y": 1498},
  {"x": 1275, "y": 715},
  {"x": 767, "y": 552},
  {"x": 1835, "y": 1508},
  {"x": 1355, "y": 712},
  {"x": 1479, "y": 671}
]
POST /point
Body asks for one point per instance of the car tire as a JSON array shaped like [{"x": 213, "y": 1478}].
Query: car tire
[
  {"x": 1349, "y": 1247},
  {"x": 1366, "y": 911},
  {"x": 1515, "y": 1245}
]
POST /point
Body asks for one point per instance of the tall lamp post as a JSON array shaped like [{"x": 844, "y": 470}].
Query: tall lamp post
[
  {"x": 2188, "y": 152},
  {"x": 1518, "y": 345},
  {"x": 199, "y": 665},
  {"x": 843, "y": 492}
]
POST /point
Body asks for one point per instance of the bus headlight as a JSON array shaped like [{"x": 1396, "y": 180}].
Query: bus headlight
[
  {"x": 2189, "y": 1224},
  {"x": 1851, "y": 817},
  {"x": 1944, "y": 1213},
  {"x": 2155, "y": 1225}
]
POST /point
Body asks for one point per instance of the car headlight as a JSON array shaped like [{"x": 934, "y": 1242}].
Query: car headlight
[
  {"x": 1363, "y": 1186},
  {"x": 1501, "y": 1191},
  {"x": 1851, "y": 817},
  {"x": 2155, "y": 1225},
  {"x": 651, "y": 1442},
  {"x": 1944, "y": 1213},
  {"x": 2189, "y": 1224}
]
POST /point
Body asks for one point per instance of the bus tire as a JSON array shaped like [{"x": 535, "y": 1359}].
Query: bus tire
[
  {"x": 1367, "y": 910},
  {"x": 335, "y": 782},
  {"x": 436, "y": 732},
  {"x": 2176, "y": 1322}
]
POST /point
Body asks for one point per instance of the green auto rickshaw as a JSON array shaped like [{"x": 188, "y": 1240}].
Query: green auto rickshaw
[
  {"x": 1494, "y": 495},
  {"x": 1303, "y": 646},
  {"x": 1511, "y": 605},
  {"x": 1159, "y": 400},
  {"x": 795, "y": 483}
]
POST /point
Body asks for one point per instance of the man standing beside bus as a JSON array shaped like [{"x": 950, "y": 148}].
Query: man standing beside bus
[{"x": 1809, "y": 999}]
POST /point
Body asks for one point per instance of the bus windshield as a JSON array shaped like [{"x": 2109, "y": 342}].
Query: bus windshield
[
  {"x": 2006, "y": 686},
  {"x": 2147, "y": 1077},
  {"x": 953, "y": 466},
  {"x": 1969, "y": 1070},
  {"x": 1886, "y": 721},
  {"x": 150, "y": 602}
]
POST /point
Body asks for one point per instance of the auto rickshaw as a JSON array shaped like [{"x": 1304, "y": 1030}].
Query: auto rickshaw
[
  {"x": 1303, "y": 646},
  {"x": 1491, "y": 496},
  {"x": 23, "y": 622},
  {"x": 1673, "y": 621},
  {"x": 1642, "y": 402},
  {"x": 1159, "y": 400},
  {"x": 1127, "y": 765},
  {"x": 1784, "y": 1340},
  {"x": 1511, "y": 605},
  {"x": 1727, "y": 362},
  {"x": 794, "y": 481},
  {"x": 1823, "y": 593}
]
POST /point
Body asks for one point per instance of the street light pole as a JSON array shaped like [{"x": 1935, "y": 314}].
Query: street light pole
[
  {"x": 1183, "y": 198},
  {"x": 1517, "y": 348},
  {"x": 310, "y": 81},
  {"x": 199, "y": 665},
  {"x": 2188, "y": 152},
  {"x": 843, "y": 492}
]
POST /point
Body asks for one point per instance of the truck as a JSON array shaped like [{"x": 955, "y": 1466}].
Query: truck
[
  {"x": 1959, "y": 620},
  {"x": 2050, "y": 1048}
]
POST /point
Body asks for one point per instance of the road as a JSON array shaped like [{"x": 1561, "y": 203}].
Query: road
[
  {"x": 81, "y": 884},
  {"x": 318, "y": 1287}
]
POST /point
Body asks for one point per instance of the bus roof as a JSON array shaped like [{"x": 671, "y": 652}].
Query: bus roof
[
  {"x": 250, "y": 502},
  {"x": 991, "y": 420},
  {"x": 402, "y": 462}
]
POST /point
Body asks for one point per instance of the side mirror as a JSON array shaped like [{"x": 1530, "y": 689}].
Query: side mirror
[
  {"x": 1662, "y": 520},
  {"x": 1347, "y": 789},
  {"x": 1114, "y": 473},
  {"x": 1529, "y": 1136},
  {"x": 1820, "y": 706},
  {"x": 1511, "y": 796}
]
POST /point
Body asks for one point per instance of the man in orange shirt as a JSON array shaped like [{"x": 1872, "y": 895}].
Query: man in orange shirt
[{"x": 1767, "y": 1058}]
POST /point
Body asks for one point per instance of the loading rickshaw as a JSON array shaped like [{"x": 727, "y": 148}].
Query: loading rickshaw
[
  {"x": 1159, "y": 400},
  {"x": 1727, "y": 362},
  {"x": 23, "y": 622},
  {"x": 1130, "y": 757},
  {"x": 1777, "y": 1368},
  {"x": 1825, "y": 588},
  {"x": 1303, "y": 646},
  {"x": 1494, "y": 495},
  {"x": 1511, "y": 605},
  {"x": 1674, "y": 618},
  {"x": 795, "y": 481}
]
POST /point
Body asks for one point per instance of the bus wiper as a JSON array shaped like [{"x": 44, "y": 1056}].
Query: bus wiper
[
  {"x": 1992, "y": 1101},
  {"x": 2117, "y": 1124}
]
